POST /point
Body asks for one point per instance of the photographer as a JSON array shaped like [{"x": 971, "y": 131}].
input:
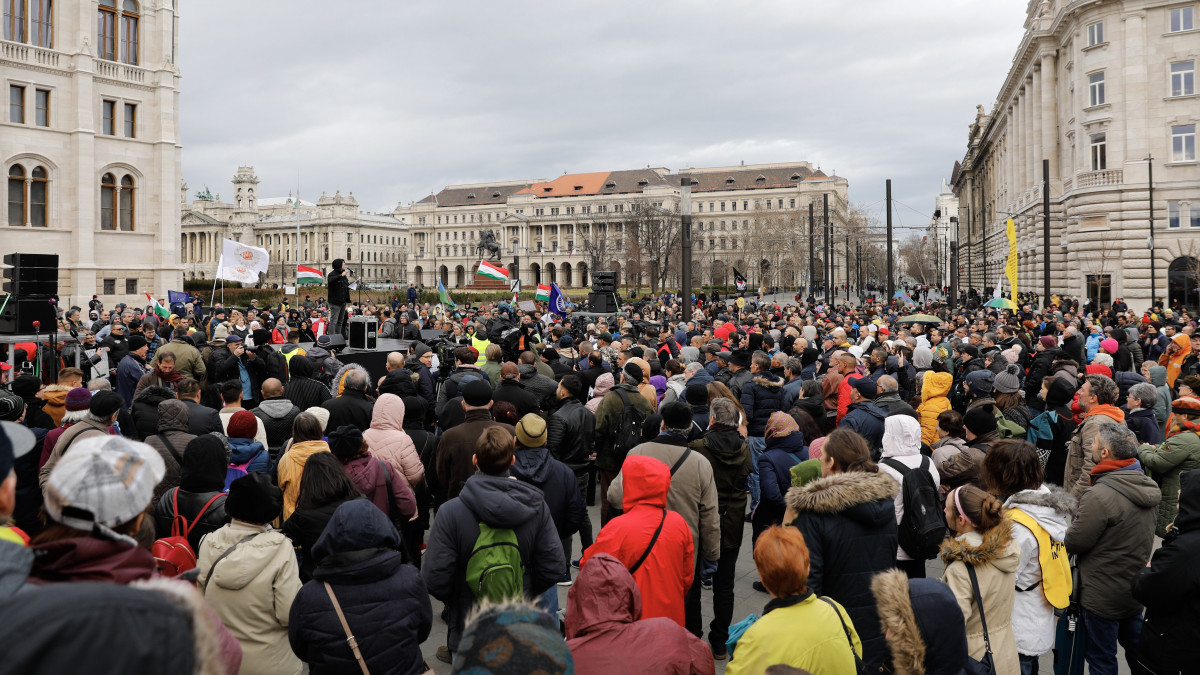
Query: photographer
[
  {"x": 245, "y": 367},
  {"x": 464, "y": 365}
]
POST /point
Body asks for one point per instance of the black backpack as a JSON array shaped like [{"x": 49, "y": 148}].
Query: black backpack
[
  {"x": 923, "y": 526},
  {"x": 627, "y": 434}
]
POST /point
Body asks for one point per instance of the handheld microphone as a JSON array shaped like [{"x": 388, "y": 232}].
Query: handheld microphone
[{"x": 37, "y": 325}]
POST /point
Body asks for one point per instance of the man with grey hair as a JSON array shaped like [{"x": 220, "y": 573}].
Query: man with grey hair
[
  {"x": 1113, "y": 536},
  {"x": 352, "y": 406},
  {"x": 1140, "y": 419},
  {"x": 889, "y": 399},
  {"x": 1098, "y": 397},
  {"x": 729, "y": 455}
]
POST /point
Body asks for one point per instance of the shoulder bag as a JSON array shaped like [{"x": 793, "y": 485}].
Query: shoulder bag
[{"x": 985, "y": 666}]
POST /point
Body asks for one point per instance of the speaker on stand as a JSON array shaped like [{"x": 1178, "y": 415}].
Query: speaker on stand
[
  {"x": 31, "y": 282},
  {"x": 603, "y": 298}
]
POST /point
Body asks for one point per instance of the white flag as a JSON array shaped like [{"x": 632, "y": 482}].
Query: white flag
[{"x": 241, "y": 262}]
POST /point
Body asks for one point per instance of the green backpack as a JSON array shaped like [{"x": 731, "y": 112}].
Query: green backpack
[
  {"x": 1008, "y": 428},
  {"x": 494, "y": 570}
]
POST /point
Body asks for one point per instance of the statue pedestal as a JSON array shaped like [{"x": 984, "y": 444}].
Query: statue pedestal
[{"x": 479, "y": 283}]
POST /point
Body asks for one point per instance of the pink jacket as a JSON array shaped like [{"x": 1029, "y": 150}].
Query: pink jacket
[{"x": 388, "y": 441}]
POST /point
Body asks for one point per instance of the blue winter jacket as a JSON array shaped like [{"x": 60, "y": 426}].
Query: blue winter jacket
[
  {"x": 761, "y": 396},
  {"x": 249, "y": 450},
  {"x": 866, "y": 419},
  {"x": 775, "y": 466}
]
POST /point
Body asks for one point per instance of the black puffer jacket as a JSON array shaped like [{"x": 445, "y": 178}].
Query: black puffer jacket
[
  {"x": 145, "y": 410},
  {"x": 383, "y": 599},
  {"x": 729, "y": 455},
  {"x": 304, "y": 527},
  {"x": 1170, "y": 589},
  {"x": 302, "y": 389},
  {"x": 849, "y": 524},
  {"x": 277, "y": 416},
  {"x": 201, "y": 478},
  {"x": 571, "y": 434},
  {"x": 760, "y": 397},
  {"x": 1040, "y": 368}
]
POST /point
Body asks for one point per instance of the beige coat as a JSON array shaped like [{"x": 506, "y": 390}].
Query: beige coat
[
  {"x": 693, "y": 494},
  {"x": 253, "y": 589},
  {"x": 291, "y": 467},
  {"x": 995, "y": 557}
]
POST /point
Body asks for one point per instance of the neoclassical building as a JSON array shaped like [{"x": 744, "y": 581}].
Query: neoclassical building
[
  {"x": 89, "y": 144},
  {"x": 561, "y": 230},
  {"x": 1106, "y": 91},
  {"x": 293, "y": 231}
]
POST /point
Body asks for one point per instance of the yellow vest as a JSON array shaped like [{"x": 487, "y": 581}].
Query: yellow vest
[{"x": 480, "y": 345}]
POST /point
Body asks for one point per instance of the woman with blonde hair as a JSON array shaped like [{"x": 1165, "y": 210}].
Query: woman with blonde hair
[{"x": 981, "y": 565}]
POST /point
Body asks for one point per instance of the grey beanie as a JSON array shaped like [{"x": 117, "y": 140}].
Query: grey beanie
[{"x": 1008, "y": 382}]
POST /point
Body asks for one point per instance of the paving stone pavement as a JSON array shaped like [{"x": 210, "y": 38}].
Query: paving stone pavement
[{"x": 746, "y": 601}]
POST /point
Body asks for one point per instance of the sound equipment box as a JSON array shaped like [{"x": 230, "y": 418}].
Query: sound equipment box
[{"x": 363, "y": 332}]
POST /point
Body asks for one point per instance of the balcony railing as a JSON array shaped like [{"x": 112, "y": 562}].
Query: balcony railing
[
  {"x": 15, "y": 51},
  {"x": 119, "y": 71},
  {"x": 1099, "y": 178}
]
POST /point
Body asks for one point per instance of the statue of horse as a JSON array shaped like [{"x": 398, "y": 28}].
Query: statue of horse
[{"x": 487, "y": 244}]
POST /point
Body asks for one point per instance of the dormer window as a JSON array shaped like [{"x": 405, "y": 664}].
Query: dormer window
[
  {"x": 471, "y": 196},
  {"x": 578, "y": 188},
  {"x": 610, "y": 185},
  {"x": 761, "y": 179},
  {"x": 643, "y": 182},
  {"x": 547, "y": 189},
  {"x": 730, "y": 181},
  {"x": 495, "y": 195},
  {"x": 795, "y": 176}
]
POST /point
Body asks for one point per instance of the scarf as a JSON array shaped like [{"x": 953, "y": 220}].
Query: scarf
[
  {"x": 1111, "y": 465},
  {"x": 1107, "y": 410},
  {"x": 171, "y": 377}
]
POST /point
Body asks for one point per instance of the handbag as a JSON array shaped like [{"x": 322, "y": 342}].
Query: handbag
[
  {"x": 737, "y": 630},
  {"x": 986, "y": 665}
]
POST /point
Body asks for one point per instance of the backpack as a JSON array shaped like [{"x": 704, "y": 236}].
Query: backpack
[
  {"x": 236, "y": 471},
  {"x": 174, "y": 555},
  {"x": 627, "y": 434},
  {"x": 1007, "y": 428},
  {"x": 923, "y": 526},
  {"x": 494, "y": 569},
  {"x": 1052, "y": 556}
]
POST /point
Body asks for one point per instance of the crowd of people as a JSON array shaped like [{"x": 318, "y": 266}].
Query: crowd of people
[{"x": 214, "y": 489}]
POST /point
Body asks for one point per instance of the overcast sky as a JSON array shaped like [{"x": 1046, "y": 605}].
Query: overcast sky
[{"x": 394, "y": 100}]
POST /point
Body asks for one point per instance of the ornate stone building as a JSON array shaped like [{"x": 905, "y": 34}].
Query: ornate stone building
[
  {"x": 1106, "y": 91},
  {"x": 372, "y": 244},
  {"x": 89, "y": 145},
  {"x": 562, "y": 229}
]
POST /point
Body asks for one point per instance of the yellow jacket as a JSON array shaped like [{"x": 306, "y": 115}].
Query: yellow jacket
[
  {"x": 934, "y": 401},
  {"x": 291, "y": 467},
  {"x": 805, "y": 634}
]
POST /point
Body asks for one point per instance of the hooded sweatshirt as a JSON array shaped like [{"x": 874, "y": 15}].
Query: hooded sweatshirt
[
  {"x": 902, "y": 443},
  {"x": 666, "y": 574},
  {"x": 607, "y": 633},
  {"x": 252, "y": 590},
  {"x": 557, "y": 482},
  {"x": 388, "y": 440},
  {"x": 935, "y": 400},
  {"x": 1162, "y": 408}
]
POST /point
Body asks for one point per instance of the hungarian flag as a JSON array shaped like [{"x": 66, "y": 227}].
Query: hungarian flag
[
  {"x": 159, "y": 310},
  {"x": 543, "y": 293},
  {"x": 739, "y": 281},
  {"x": 491, "y": 271},
  {"x": 308, "y": 275}
]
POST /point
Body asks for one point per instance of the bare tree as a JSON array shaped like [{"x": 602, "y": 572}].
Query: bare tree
[
  {"x": 919, "y": 260},
  {"x": 652, "y": 238}
]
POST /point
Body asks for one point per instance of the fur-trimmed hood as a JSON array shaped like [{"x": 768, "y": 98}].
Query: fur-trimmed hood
[
  {"x": 993, "y": 547},
  {"x": 936, "y": 643},
  {"x": 154, "y": 395},
  {"x": 843, "y": 491},
  {"x": 1051, "y": 506},
  {"x": 767, "y": 381}
]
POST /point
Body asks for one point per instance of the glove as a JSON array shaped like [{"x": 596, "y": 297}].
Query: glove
[{"x": 708, "y": 568}]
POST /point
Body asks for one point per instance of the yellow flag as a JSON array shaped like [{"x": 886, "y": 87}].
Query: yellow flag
[{"x": 1010, "y": 268}]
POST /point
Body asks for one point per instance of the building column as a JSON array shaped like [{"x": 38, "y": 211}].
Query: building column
[
  {"x": 1048, "y": 110},
  {"x": 1035, "y": 117}
]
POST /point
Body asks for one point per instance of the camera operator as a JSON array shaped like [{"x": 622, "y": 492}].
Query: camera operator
[
  {"x": 464, "y": 365},
  {"x": 89, "y": 358},
  {"x": 422, "y": 366},
  {"x": 245, "y": 367}
]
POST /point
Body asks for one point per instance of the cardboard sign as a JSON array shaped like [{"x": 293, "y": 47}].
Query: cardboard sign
[{"x": 527, "y": 305}]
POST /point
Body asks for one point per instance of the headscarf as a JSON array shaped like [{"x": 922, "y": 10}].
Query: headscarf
[{"x": 780, "y": 424}]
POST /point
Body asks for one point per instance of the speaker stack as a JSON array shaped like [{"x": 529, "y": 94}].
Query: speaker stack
[
  {"x": 603, "y": 296},
  {"x": 31, "y": 282},
  {"x": 363, "y": 332}
]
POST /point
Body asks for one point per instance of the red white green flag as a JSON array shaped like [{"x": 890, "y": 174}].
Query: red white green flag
[
  {"x": 543, "y": 293},
  {"x": 491, "y": 271},
  {"x": 308, "y": 275}
]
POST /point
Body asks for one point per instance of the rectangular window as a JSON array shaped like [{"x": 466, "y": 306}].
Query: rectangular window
[
  {"x": 1096, "y": 88},
  {"x": 1183, "y": 78},
  {"x": 14, "y": 20},
  {"x": 110, "y": 286},
  {"x": 1195, "y": 219},
  {"x": 41, "y": 24},
  {"x": 1095, "y": 33},
  {"x": 16, "y": 104},
  {"x": 1183, "y": 143},
  {"x": 129, "y": 38},
  {"x": 1099, "y": 148},
  {"x": 1182, "y": 19},
  {"x": 131, "y": 286},
  {"x": 106, "y": 33},
  {"x": 1172, "y": 214},
  {"x": 745, "y": 205},
  {"x": 791, "y": 203},
  {"x": 722, "y": 206},
  {"x": 42, "y": 107},
  {"x": 110, "y": 114}
]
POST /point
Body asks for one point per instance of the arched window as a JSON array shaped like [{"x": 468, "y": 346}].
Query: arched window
[
  {"x": 106, "y": 30},
  {"x": 108, "y": 202},
  {"x": 38, "y": 192},
  {"x": 126, "y": 204},
  {"x": 16, "y": 195},
  {"x": 14, "y": 20},
  {"x": 129, "y": 32},
  {"x": 41, "y": 23}
]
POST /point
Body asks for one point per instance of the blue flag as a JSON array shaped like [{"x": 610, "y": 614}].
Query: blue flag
[
  {"x": 559, "y": 304},
  {"x": 176, "y": 296}
]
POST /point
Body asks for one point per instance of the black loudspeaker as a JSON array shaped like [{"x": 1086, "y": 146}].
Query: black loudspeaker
[
  {"x": 604, "y": 282},
  {"x": 31, "y": 274},
  {"x": 602, "y": 303},
  {"x": 20, "y": 313},
  {"x": 363, "y": 332}
]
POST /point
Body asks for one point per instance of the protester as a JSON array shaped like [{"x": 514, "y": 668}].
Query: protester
[
  {"x": 324, "y": 487},
  {"x": 920, "y": 620},
  {"x": 308, "y": 438},
  {"x": 785, "y": 448},
  {"x": 902, "y": 456},
  {"x": 1175, "y": 456},
  {"x": 197, "y": 506}
]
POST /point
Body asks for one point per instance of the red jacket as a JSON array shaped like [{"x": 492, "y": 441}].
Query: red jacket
[
  {"x": 666, "y": 575},
  {"x": 606, "y": 633}
]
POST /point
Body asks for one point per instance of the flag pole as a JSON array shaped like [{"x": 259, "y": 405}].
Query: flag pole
[{"x": 216, "y": 276}]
